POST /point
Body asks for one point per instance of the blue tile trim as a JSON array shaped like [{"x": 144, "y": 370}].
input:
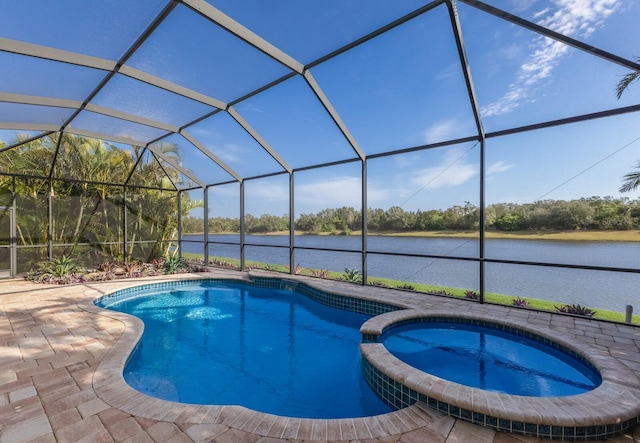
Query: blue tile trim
[
  {"x": 398, "y": 396},
  {"x": 344, "y": 302},
  {"x": 353, "y": 304}
]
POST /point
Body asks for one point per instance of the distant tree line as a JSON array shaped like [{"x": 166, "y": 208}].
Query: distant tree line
[{"x": 597, "y": 213}]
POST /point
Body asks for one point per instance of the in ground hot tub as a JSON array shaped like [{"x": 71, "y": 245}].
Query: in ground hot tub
[
  {"x": 492, "y": 373},
  {"x": 490, "y": 357}
]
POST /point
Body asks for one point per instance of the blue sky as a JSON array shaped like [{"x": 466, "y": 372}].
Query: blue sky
[{"x": 402, "y": 89}]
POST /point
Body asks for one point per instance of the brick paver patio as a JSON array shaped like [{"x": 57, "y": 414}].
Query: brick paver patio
[{"x": 52, "y": 343}]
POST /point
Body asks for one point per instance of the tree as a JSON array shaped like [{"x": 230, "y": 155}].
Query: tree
[
  {"x": 631, "y": 181},
  {"x": 625, "y": 81},
  {"x": 88, "y": 211}
]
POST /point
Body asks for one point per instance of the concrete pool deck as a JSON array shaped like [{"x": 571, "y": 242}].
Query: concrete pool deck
[{"x": 61, "y": 359}]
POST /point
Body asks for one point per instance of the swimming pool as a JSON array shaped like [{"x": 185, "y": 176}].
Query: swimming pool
[
  {"x": 605, "y": 411},
  {"x": 270, "y": 350}
]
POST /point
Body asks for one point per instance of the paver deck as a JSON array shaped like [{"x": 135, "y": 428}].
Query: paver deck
[{"x": 61, "y": 359}]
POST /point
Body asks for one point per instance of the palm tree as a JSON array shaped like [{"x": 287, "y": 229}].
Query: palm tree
[
  {"x": 627, "y": 80},
  {"x": 631, "y": 181}
]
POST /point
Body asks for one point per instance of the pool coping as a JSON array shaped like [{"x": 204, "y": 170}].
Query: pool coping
[{"x": 620, "y": 389}]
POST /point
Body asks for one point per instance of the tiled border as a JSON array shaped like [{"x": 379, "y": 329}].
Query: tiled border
[{"x": 603, "y": 412}]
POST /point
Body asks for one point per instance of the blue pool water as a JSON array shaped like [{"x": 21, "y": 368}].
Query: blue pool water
[
  {"x": 234, "y": 344},
  {"x": 491, "y": 359}
]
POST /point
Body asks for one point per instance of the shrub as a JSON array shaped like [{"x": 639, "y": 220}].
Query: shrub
[
  {"x": 174, "y": 264},
  {"x": 222, "y": 263},
  {"x": 441, "y": 292},
  {"x": 351, "y": 275},
  {"x": 60, "y": 270},
  {"x": 322, "y": 273},
  {"x": 576, "y": 309},
  {"x": 472, "y": 295},
  {"x": 378, "y": 283},
  {"x": 61, "y": 267},
  {"x": 297, "y": 269},
  {"x": 407, "y": 287},
  {"x": 520, "y": 302},
  {"x": 132, "y": 268}
]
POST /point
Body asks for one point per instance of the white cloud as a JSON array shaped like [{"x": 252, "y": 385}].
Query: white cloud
[
  {"x": 519, "y": 6},
  {"x": 329, "y": 193},
  {"x": 437, "y": 177},
  {"x": 452, "y": 171},
  {"x": 574, "y": 18},
  {"x": 442, "y": 130},
  {"x": 265, "y": 192},
  {"x": 498, "y": 167},
  {"x": 229, "y": 153}
]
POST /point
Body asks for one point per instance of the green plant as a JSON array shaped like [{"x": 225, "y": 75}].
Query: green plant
[
  {"x": 576, "y": 309},
  {"x": 106, "y": 270},
  {"x": 174, "y": 264},
  {"x": 60, "y": 267},
  {"x": 60, "y": 270},
  {"x": 297, "y": 269},
  {"x": 351, "y": 275},
  {"x": 471, "y": 295},
  {"x": 407, "y": 287},
  {"x": 132, "y": 268},
  {"x": 378, "y": 283},
  {"x": 521, "y": 303},
  {"x": 441, "y": 292},
  {"x": 322, "y": 273}
]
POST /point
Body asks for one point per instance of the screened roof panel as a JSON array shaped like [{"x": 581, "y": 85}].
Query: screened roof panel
[
  {"x": 89, "y": 159},
  {"x": 34, "y": 158},
  {"x": 148, "y": 172},
  {"x": 132, "y": 96},
  {"x": 179, "y": 179},
  {"x": 193, "y": 160},
  {"x": 295, "y": 124},
  {"x": 102, "y": 28},
  {"x": 191, "y": 51},
  {"x": 403, "y": 89},
  {"x": 34, "y": 76},
  {"x": 523, "y": 78},
  {"x": 120, "y": 129},
  {"x": 227, "y": 140},
  {"x": 300, "y": 28},
  {"x": 17, "y": 113},
  {"x": 8, "y": 138}
]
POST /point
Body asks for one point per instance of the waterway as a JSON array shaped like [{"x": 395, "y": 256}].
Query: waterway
[{"x": 594, "y": 288}]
